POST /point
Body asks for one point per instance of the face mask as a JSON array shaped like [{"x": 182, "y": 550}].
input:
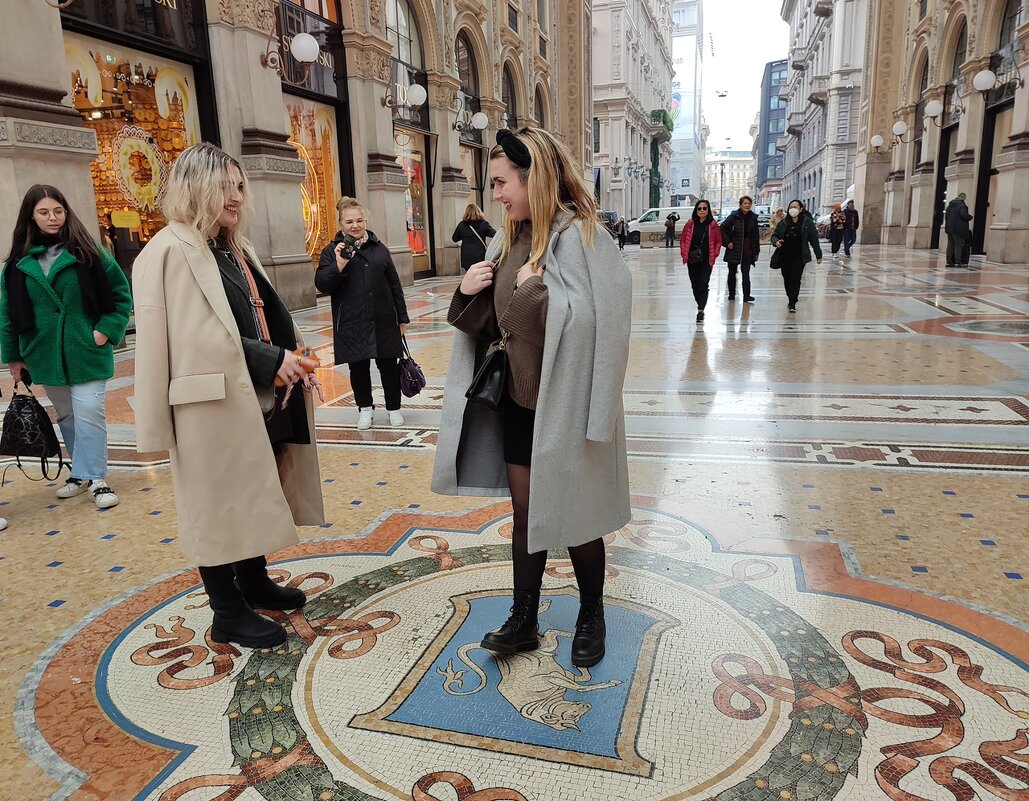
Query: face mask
[{"x": 794, "y": 213}]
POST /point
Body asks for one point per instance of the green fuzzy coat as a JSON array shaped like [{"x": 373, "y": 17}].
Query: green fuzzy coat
[{"x": 60, "y": 350}]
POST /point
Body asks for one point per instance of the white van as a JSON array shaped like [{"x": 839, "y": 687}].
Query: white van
[{"x": 648, "y": 229}]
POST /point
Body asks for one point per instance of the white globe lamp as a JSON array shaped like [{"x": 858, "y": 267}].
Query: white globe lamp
[
  {"x": 900, "y": 128},
  {"x": 479, "y": 121},
  {"x": 933, "y": 109},
  {"x": 984, "y": 80},
  {"x": 416, "y": 95},
  {"x": 877, "y": 141},
  {"x": 304, "y": 48}
]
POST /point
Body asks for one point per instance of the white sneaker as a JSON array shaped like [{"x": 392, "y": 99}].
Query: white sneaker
[
  {"x": 103, "y": 495},
  {"x": 396, "y": 419},
  {"x": 73, "y": 487},
  {"x": 365, "y": 417},
  {"x": 3, "y": 523}
]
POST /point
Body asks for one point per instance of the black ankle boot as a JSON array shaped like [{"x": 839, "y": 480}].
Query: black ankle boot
[
  {"x": 260, "y": 591},
  {"x": 520, "y": 632},
  {"x": 234, "y": 620},
  {"x": 590, "y": 631}
]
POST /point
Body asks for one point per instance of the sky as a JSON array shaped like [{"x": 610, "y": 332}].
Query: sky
[{"x": 740, "y": 54}]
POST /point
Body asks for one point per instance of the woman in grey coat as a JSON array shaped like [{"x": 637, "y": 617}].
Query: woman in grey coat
[{"x": 562, "y": 296}]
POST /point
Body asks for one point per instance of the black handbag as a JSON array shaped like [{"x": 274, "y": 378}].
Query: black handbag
[
  {"x": 412, "y": 378},
  {"x": 29, "y": 433},
  {"x": 488, "y": 385},
  {"x": 774, "y": 262}
]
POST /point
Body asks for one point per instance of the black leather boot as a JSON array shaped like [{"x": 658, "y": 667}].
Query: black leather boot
[
  {"x": 590, "y": 632},
  {"x": 234, "y": 620},
  {"x": 260, "y": 591},
  {"x": 521, "y": 631}
]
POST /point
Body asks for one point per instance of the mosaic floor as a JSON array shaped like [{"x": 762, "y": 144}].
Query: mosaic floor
[{"x": 821, "y": 595}]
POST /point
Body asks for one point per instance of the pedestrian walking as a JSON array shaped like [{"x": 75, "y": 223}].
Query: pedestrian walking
[
  {"x": 214, "y": 342},
  {"x": 850, "y": 227},
  {"x": 369, "y": 313},
  {"x": 551, "y": 291},
  {"x": 958, "y": 231},
  {"x": 837, "y": 226},
  {"x": 622, "y": 231},
  {"x": 670, "y": 222},
  {"x": 742, "y": 238},
  {"x": 472, "y": 232},
  {"x": 795, "y": 236},
  {"x": 700, "y": 245},
  {"x": 64, "y": 305}
]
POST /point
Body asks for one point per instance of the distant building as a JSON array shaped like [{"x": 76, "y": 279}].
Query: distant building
[
  {"x": 728, "y": 177},
  {"x": 686, "y": 170},
  {"x": 770, "y": 126}
]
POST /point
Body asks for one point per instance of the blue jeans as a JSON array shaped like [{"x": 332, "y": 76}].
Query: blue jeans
[
  {"x": 82, "y": 417},
  {"x": 849, "y": 237}
]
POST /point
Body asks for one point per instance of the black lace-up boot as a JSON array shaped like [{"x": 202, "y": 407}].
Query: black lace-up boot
[
  {"x": 590, "y": 632},
  {"x": 260, "y": 591},
  {"x": 521, "y": 630},
  {"x": 234, "y": 620}
]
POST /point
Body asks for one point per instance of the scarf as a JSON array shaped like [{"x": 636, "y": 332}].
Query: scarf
[{"x": 97, "y": 295}]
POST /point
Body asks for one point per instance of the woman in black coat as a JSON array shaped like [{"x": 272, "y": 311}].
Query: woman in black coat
[
  {"x": 742, "y": 238},
  {"x": 369, "y": 315},
  {"x": 472, "y": 232}
]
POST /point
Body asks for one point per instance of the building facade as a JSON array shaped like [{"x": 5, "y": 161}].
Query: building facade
[
  {"x": 141, "y": 82},
  {"x": 947, "y": 106},
  {"x": 688, "y": 140},
  {"x": 632, "y": 100},
  {"x": 771, "y": 125},
  {"x": 728, "y": 176},
  {"x": 823, "y": 91}
]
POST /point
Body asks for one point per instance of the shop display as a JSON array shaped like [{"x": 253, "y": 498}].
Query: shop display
[{"x": 313, "y": 133}]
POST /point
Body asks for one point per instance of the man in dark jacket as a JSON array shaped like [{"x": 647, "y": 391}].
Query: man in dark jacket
[
  {"x": 742, "y": 238},
  {"x": 670, "y": 222},
  {"x": 850, "y": 227},
  {"x": 958, "y": 231}
]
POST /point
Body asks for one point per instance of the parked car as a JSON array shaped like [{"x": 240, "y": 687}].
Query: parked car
[{"x": 651, "y": 225}]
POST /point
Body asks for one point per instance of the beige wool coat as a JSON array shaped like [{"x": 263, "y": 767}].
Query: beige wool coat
[{"x": 195, "y": 398}]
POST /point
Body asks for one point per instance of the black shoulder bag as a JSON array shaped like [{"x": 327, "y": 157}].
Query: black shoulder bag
[
  {"x": 487, "y": 386},
  {"x": 29, "y": 433}
]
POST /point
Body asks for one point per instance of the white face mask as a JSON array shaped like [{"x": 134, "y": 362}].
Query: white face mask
[{"x": 794, "y": 212}]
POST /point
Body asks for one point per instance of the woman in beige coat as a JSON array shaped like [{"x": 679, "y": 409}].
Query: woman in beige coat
[{"x": 243, "y": 453}]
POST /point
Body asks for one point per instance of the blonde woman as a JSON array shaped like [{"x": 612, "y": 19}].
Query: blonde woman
[
  {"x": 773, "y": 223},
  {"x": 556, "y": 287},
  {"x": 369, "y": 314},
  {"x": 472, "y": 232},
  {"x": 208, "y": 358}
]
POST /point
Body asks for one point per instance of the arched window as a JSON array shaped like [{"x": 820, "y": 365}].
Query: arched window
[
  {"x": 507, "y": 96},
  {"x": 960, "y": 52},
  {"x": 923, "y": 82},
  {"x": 1012, "y": 19},
  {"x": 402, "y": 32},
  {"x": 540, "y": 109},
  {"x": 466, "y": 71}
]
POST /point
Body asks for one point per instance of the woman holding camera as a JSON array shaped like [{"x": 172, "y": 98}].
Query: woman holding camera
[
  {"x": 369, "y": 314},
  {"x": 220, "y": 384},
  {"x": 64, "y": 305},
  {"x": 556, "y": 291}
]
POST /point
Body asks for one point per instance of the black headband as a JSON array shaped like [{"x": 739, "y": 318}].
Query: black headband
[{"x": 514, "y": 148}]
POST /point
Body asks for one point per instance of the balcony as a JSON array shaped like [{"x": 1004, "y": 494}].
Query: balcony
[
  {"x": 795, "y": 123},
  {"x": 782, "y": 143},
  {"x": 819, "y": 91},
  {"x": 784, "y": 91},
  {"x": 798, "y": 58},
  {"x": 661, "y": 125},
  {"x": 823, "y": 8}
]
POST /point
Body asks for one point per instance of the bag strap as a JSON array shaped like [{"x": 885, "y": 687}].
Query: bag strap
[
  {"x": 255, "y": 298},
  {"x": 477, "y": 235}
]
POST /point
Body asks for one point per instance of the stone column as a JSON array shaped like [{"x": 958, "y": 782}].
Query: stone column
[
  {"x": 252, "y": 121},
  {"x": 42, "y": 138},
  {"x": 379, "y": 180},
  {"x": 870, "y": 195},
  {"x": 450, "y": 194},
  {"x": 1008, "y": 236},
  {"x": 923, "y": 185}
]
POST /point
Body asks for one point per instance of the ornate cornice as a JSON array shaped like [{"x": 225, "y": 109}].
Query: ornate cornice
[{"x": 48, "y": 136}]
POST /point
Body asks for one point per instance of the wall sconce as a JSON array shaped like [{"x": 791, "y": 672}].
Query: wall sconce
[
  {"x": 416, "y": 96},
  {"x": 479, "y": 122},
  {"x": 933, "y": 112},
  {"x": 900, "y": 128},
  {"x": 616, "y": 168},
  {"x": 985, "y": 81},
  {"x": 304, "y": 48}
]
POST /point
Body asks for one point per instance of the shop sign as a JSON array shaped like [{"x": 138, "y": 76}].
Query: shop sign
[
  {"x": 320, "y": 77},
  {"x": 403, "y": 77},
  {"x": 125, "y": 218},
  {"x": 171, "y": 23}
]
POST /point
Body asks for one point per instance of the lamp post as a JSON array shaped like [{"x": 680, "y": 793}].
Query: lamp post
[{"x": 721, "y": 188}]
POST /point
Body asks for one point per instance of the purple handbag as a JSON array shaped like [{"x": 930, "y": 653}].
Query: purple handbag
[{"x": 412, "y": 379}]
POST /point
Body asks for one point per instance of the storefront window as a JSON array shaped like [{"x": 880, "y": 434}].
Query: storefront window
[
  {"x": 402, "y": 32},
  {"x": 312, "y": 129},
  {"x": 471, "y": 166},
  {"x": 412, "y": 158},
  {"x": 144, "y": 112},
  {"x": 507, "y": 97},
  {"x": 171, "y": 22}
]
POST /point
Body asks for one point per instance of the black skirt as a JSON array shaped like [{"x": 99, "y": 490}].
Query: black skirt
[{"x": 519, "y": 424}]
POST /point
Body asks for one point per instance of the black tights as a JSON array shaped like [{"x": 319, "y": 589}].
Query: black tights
[{"x": 587, "y": 559}]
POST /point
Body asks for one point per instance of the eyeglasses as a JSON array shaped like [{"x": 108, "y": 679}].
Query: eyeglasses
[{"x": 46, "y": 214}]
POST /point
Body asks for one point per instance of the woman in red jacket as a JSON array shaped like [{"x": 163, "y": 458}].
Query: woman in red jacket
[{"x": 700, "y": 243}]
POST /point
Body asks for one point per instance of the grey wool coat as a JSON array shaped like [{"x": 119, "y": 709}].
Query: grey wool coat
[{"x": 579, "y": 486}]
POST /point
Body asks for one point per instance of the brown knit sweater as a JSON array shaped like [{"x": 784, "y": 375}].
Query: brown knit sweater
[{"x": 522, "y": 314}]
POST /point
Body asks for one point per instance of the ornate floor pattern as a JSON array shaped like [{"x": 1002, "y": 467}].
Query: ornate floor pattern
[{"x": 821, "y": 594}]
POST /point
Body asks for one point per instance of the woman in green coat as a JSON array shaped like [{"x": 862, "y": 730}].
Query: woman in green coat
[
  {"x": 64, "y": 304},
  {"x": 795, "y": 236}
]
